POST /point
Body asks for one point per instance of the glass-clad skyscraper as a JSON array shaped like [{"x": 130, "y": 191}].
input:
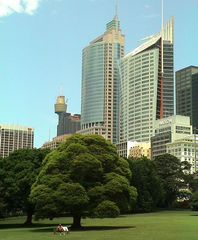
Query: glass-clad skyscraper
[
  {"x": 186, "y": 93},
  {"x": 101, "y": 82},
  {"x": 147, "y": 86}
]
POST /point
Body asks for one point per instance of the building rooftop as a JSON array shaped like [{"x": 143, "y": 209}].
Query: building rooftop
[{"x": 15, "y": 127}]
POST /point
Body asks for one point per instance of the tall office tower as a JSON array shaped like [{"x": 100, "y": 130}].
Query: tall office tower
[
  {"x": 67, "y": 123},
  {"x": 147, "y": 86},
  {"x": 101, "y": 83},
  {"x": 186, "y": 93},
  {"x": 14, "y": 138}
]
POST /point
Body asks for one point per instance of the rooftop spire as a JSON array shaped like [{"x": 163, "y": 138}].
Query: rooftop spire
[
  {"x": 114, "y": 24},
  {"x": 116, "y": 10}
]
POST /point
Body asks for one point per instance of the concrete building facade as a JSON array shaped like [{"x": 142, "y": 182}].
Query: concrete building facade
[
  {"x": 140, "y": 150},
  {"x": 185, "y": 149},
  {"x": 15, "y": 137},
  {"x": 168, "y": 130},
  {"x": 134, "y": 149},
  {"x": 56, "y": 141},
  {"x": 147, "y": 86}
]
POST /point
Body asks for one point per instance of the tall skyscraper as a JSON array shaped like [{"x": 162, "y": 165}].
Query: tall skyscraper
[
  {"x": 67, "y": 123},
  {"x": 186, "y": 93},
  {"x": 101, "y": 83},
  {"x": 147, "y": 86},
  {"x": 14, "y": 138}
]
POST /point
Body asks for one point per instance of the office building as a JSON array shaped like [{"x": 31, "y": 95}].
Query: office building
[
  {"x": 140, "y": 150},
  {"x": 14, "y": 138},
  {"x": 123, "y": 148},
  {"x": 168, "y": 130},
  {"x": 67, "y": 123},
  {"x": 134, "y": 149},
  {"x": 101, "y": 82},
  {"x": 147, "y": 86},
  {"x": 55, "y": 142},
  {"x": 186, "y": 93},
  {"x": 185, "y": 149}
]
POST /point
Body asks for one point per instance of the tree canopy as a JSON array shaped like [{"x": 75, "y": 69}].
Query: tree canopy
[
  {"x": 148, "y": 184},
  {"x": 84, "y": 176},
  {"x": 17, "y": 173},
  {"x": 170, "y": 170}
]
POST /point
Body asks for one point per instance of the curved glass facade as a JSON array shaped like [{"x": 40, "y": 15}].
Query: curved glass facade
[
  {"x": 101, "y": 83},
  {"x": 92, "y": 108}
]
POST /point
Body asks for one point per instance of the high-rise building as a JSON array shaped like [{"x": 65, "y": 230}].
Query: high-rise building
[
  {"x": 67, "y": 123},
  {"x": 186, "y": 93},
  {"x": 101, "y": 83},
  {"x": 14, "y": 138},
  {"x": 147, "y": 86}
]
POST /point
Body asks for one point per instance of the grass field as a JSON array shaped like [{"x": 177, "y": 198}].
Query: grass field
[{"x": 167, "y": 225}]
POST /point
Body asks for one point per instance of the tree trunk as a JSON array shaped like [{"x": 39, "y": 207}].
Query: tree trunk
[
  {"x": 76, "y": 222},
  {"x": 29, "y": 218}
]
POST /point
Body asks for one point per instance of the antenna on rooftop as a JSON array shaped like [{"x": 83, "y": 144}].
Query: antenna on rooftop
[{"x": 116, "y": 9}]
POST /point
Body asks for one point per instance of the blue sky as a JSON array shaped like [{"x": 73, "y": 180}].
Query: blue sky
[{"x": 41, "y": 42}]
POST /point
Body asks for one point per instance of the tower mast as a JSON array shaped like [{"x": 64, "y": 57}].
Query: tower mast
[{"x": 116, "y": 10}]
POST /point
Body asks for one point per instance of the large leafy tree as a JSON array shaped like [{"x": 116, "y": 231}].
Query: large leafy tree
[
  {"x": 2, "y": 200},
  {"x": 147, "y": 182},
  {"x": 84, "y": 176},
  {"x": 172, "y": 173},
  {"x": 17, "y": 173},
  {"x": 194, "y": 201}
]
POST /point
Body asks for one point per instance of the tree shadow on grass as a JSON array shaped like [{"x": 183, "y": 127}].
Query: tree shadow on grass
[
  {"x": 102, "y": 228},
  {"x": 43, "y": 230},
  {"x": 34, "y": 225},
  {"x": 87, "y": 228}
]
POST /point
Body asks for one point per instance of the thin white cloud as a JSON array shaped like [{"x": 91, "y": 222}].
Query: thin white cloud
[{"x": 8, "y": 7}]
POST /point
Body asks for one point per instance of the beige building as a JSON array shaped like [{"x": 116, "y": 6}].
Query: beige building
[
  {"x": 185, "y": 149},
  {"x": 14, "y": 138},
  {"x": 99, "y": 130},
  {"x": 134, "y": 149},
  {"x": 168, "y": 130},
  {"x": 56, "y": 141},
  {"x": 140, "y": 149}
]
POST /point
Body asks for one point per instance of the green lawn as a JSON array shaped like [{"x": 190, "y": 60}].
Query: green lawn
[{"x": 167, "y": 225}]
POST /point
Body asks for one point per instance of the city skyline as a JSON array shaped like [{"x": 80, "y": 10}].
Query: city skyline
[{"x": 42, "y": 44}]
